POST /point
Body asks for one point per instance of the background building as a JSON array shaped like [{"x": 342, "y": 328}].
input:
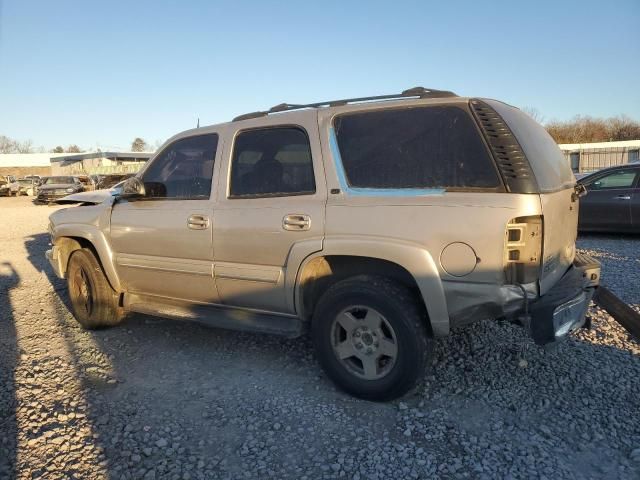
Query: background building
[
  {"x": 21, "y": 164},
  {"x": 587, "y": 157},
  {"x": 98, "y": 162}
]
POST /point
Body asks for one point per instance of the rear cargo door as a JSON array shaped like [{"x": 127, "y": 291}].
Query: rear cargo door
[
  {"x": 560, "y": 224},
  {"x": 555, "y": 184}
]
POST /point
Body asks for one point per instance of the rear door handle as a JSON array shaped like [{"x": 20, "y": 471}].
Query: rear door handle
[
  {"x": 623, "y": 197},
  {"x": 296, "y": 222},
  {"x": 198, "y": 222}
]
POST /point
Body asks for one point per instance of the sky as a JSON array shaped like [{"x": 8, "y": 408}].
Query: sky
[{"x": 100, "y": 73}]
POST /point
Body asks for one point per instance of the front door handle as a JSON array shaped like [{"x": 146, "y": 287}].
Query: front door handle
[
  {"x": 198, "y": 222},
  {"x": 623, "y": 197},
  {"x": 296, "y": 222}
]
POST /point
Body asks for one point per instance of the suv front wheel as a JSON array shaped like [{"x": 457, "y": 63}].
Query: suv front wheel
[
  {"x": 370, "y": 337},
  {"x": 94, "y": 302}
]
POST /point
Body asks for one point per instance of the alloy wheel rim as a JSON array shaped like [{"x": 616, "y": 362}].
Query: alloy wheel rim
[{"x": 364, "y": 342}]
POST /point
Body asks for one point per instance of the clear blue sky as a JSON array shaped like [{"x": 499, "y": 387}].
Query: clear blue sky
[{"x": 103, "y": 72}]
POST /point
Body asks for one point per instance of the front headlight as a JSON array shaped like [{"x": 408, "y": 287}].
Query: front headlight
[{"x": 70, "y": 190}]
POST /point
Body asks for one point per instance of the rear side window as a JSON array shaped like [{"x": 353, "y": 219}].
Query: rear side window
[
  {"x": 271, "y": 162},
  {"x": 183, "y": 170},
  {"x": 550, "y": 167},
  {"x": 423, "y": 147}
]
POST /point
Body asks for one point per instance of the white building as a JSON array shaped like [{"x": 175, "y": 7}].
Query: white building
[{"x": 587, "y": 157}]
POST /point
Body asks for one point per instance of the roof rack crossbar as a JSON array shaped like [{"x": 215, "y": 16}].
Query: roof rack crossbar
[{"x": 416, "y": 92}]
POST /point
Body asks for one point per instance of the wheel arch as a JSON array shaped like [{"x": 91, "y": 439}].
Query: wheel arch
[
  {"x": 408, "y": 264},
  {"x": 67, "y": 242}
]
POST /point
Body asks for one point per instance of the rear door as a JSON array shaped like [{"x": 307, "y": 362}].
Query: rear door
[
  {"x": 272, "y": 211},
  {"x": 607, "y": 205}
]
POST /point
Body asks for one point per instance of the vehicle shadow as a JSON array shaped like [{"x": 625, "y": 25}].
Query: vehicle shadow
[
  {"x": 165, "y": 383},
  {"x": 9, "y": 279}
]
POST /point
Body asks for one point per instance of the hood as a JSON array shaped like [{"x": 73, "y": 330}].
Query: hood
[{"x": 95, "y": 197}]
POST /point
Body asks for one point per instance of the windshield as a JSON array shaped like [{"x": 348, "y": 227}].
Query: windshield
[
  {"x": 55, "y": 180},
  {"x": 25, "y": 181}
]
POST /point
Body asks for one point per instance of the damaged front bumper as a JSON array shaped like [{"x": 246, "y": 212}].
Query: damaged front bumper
[{"x": 563, "y": 309}]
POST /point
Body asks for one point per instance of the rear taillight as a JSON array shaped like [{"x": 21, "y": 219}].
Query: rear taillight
[{"x": 523, "y": 249}]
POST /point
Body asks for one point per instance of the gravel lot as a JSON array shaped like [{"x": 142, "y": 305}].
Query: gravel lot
[{"x": 162, "y": 399}]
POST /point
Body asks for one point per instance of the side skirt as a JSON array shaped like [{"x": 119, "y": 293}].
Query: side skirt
[{"x": 217, "y": 316}]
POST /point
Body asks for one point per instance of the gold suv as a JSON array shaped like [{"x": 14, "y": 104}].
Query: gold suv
[{"x": 376, "y": 224}]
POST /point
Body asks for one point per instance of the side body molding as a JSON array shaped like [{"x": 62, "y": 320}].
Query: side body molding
[
  {"x": 416, "y": 260},
  {"x": 95, "y": 236}
]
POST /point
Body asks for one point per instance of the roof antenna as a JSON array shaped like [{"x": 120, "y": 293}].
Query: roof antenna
[{"x": 198, "y": 125}]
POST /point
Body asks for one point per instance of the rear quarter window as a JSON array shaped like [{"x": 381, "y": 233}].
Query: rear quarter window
[
  {"x": 551, "y": 169},
  {"x": 420, "y": 147}
]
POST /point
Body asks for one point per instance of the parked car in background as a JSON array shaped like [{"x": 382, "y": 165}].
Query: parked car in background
[
  {"x": 57, "y": 187},
  {"x": 27, "y": 186},
  {"x": 87, "y": 182},
  {"x": 7, "y": 185},
  {"x": 93, "y": 197},
  {"x": 612, "y": 202},
  {"x": 374, "y": 223},
  {"x": 108, "y": 181},
  {"x": 35, "y": 178}
]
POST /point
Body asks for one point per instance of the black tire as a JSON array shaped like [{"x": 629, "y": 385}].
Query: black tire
[
  {"x": 399, "y": 308},
  {"x": 96, "y": 304}
]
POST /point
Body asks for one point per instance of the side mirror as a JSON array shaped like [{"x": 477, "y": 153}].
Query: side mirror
[{"x": 133, "y": 187}]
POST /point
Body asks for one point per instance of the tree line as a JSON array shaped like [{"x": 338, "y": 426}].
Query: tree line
[
  {"x": 585, "y": 129},
  {"x": 9, "y": 145}
]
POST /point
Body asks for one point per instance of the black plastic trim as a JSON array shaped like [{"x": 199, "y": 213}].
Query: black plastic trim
[{"x": 512, "y": 163}]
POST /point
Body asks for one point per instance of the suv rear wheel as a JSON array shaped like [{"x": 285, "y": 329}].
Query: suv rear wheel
[
  {"x": 94, "y": 302},
  {"x": 370, "y": 337}
]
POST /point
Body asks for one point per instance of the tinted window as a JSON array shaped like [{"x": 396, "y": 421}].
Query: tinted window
[
  {"x": 183, "y": 170},
  {"x": 619, "y": 179},
  {"x": 272, "y": 162},
  {"x": 551, "y": 168},
  {"x": 434, "y": 147}
]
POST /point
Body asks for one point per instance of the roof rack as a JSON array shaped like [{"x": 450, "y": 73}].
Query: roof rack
[{"x": 415, "y": 92}]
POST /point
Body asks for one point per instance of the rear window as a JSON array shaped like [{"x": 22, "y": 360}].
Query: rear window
[
  {"x": 422, "y": 147},
  {"x": 551, "y": 169}
]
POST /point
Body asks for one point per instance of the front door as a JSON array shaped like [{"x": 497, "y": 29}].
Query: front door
[
  {"x": 273, "y": 211},
  {"x": 162, "y": 242}
]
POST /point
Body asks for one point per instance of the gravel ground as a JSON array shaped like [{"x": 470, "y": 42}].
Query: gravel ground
[{"x": 161, "y": 399}]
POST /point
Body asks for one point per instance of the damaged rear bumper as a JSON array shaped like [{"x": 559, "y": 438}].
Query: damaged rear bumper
[{"x": 563, "y": 309}]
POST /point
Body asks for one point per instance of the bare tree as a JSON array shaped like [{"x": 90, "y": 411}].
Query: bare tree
[
  {"x": 25, "y": 146},
  {"x": 74, "y": 149},
  {"x": 9, "y": 145},
  {"x": 585, "y": 129},
  {"x": 623, "y": 128},
  {"x": 533, "y": 113},
  {"x": 138, "y": 145}
]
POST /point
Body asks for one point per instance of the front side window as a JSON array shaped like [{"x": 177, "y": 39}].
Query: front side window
[
  {"x": 271, "y": 162},
  {"x": 183, "y": 170},
  {"x": 422, "y": 147},
  {"x": 619, "y": 179}
]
